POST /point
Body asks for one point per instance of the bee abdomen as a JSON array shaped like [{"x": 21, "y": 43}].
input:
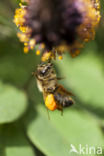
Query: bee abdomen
[
  {"x": 64, "y": 101},
  {"x": 67, "y": 102}
]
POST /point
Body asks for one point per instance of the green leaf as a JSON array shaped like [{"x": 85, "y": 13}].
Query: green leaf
[
  {"x": 13, "y": 103},
  {"x": 20, "y": 65},
  {"x": 54, "y": 137},
  {"x": 84, "y": 75},
  {"x": 14, "y": 141},
  {"x": 2, "y": 151}
]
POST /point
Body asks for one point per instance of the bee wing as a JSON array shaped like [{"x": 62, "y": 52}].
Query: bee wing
[{"x": 64, "y": 91}]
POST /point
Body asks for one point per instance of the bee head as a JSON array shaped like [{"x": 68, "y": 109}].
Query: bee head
[{"x": 44, "y": 70}]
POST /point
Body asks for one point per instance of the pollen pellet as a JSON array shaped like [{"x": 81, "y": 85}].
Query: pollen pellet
[{"x": 50, "y": 102}]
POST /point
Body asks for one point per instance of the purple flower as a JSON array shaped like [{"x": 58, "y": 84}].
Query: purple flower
[{"x": 57, "y": 26}]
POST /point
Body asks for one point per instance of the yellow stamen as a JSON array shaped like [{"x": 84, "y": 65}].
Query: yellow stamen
[
  {"x": 26, "y": 49},
  {"x": 60, "y": 57},
  {"x": 38, "y": 52},
  {"x": 22, "y": 37},
  {"x": 32, "y": 43},
  {"x": 46, "y": 56},
  {"x": 42, "y": 45}
]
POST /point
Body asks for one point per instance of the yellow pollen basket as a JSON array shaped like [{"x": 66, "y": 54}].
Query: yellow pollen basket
[{"x": 50, "y": 102}]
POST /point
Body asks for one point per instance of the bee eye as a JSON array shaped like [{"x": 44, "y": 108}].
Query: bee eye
[{"x": 42, "y": 73}]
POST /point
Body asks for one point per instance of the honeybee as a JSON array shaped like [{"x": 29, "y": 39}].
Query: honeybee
[{"x": 55, "y": 95}]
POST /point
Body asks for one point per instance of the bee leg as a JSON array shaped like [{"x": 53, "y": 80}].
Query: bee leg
[
  {"x": 60, "y": 78},
  {"x": 33, "y": 73},
  {"x": 48, "y": 114},
  {"x": 44, "y": 96},
  {"x": 61, "y": 112}
]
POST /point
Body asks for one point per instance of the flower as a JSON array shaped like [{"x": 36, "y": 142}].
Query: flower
[{"x": 56, "y": 26}]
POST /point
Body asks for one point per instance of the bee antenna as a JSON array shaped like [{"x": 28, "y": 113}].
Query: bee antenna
[
  {"x": 42, "y": 63},
  {"x": 49, "y": 61},
  {"x": 33, "y": 73}
]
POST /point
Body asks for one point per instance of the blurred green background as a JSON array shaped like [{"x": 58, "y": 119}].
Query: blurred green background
[{"x": 25, "y": 129}]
